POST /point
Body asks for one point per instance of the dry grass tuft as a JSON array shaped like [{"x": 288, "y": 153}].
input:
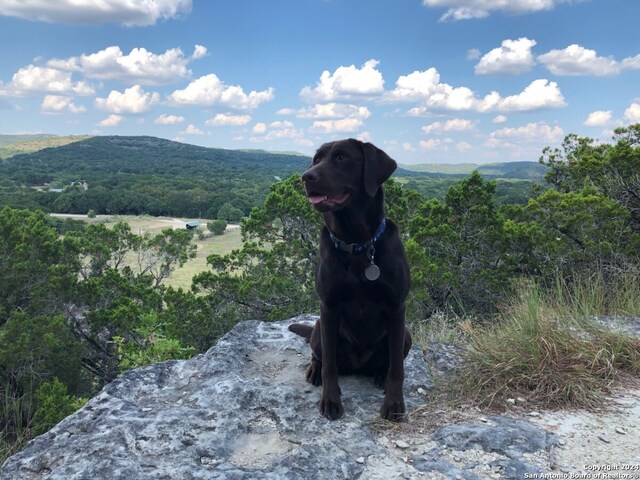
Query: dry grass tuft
[{"x": 536, "y": 351}]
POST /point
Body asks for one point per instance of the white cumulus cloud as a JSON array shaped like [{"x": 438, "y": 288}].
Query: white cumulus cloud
[
  {"x": 132, "y": 100},
  {"x": 598, "y": 118},
  {"x": 577, "y": 60},
  {"x": 469, "y": 9},
  {"x": 125, "y": 12},
  {"x": 191, "y": 130},
  {"x": 430, "y": 144},
  {"x": 426, "y": 88},
  {"x": 165, "y": 119},
  {"x": 112, "y": 120},
  {"x": 279, "y": 130},
  {"x": 331, "y": 110},
  {"x": 225, "y": 119},
  {"x": 139, "y": 66},
  {"x": 199, "y": 51},
  {"x": 453, "y": 125},
  {"x": 537, "y": 133},
  {"x": 210, "y": 90},
  {"x": 537, "y": 95},
  {"x": 49, "y": 80},
  {"x": 346, "y": 82},
  {"x": 512, "y": 57},
  {"x": 345, "y": 125},
  {"x": 632, "y": 114},
  {"x": 259, "y": 128},
  {"x": 60, "y": 103}
]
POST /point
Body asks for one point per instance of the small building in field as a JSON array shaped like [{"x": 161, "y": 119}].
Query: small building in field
[{"x": 193, "y": 224}]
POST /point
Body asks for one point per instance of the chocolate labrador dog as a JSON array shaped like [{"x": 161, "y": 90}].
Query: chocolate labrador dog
[{"x": 362, "y": 278}]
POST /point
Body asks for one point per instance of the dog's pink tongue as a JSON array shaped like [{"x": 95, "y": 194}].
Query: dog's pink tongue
[{"x": 316, "y": 199}]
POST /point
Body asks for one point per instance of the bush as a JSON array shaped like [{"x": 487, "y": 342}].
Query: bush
[
  {"x": 53, "y": 404},
  {"x": 217, "y": 227}
]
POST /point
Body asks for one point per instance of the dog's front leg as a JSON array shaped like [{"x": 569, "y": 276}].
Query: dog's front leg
[
  {"x": 393, "y": 404},
  {"x": 330, "y": 402}
]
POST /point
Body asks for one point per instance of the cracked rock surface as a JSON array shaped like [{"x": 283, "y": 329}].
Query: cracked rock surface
[{"x": 243, "y": 411}]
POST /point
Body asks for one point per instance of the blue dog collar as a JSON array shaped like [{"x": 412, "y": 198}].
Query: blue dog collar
[{"x": 356, "y": 248}]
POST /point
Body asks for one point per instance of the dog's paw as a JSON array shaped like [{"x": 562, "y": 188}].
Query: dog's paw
[
  {"x": 331, "y": 408},
  {"x": 393, "y": 409}
]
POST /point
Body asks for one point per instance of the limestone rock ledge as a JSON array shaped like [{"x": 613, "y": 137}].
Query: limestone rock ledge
[{"x": 240, "y": 411}]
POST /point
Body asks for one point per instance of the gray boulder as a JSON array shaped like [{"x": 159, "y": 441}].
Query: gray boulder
[{"x": 240, "y": 411}]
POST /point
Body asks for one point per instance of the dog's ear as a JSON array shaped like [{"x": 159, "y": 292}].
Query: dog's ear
[{"x": 378, "y": 167}]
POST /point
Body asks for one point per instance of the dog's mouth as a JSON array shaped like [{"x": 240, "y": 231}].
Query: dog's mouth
[{"x": 328, "y": 201}]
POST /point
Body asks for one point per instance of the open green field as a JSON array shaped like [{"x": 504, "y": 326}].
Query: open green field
[{"x": 181, "y": 277}]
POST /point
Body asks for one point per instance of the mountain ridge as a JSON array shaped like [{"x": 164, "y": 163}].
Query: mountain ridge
[{"x": 14, "y": 145}]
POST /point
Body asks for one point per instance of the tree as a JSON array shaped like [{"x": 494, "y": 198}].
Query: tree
[
  {"x": 613, "y": 170},
  {"x": 217, "y": 227},
  {"x": 272, "y": 276},
  {"x": 229, "y": 213},
  {"x": 159, "y": 255},
  {"x": 458, "y": 250},
  {"x": 579, "y": 232},
  {"x": 36, "y": 267}
]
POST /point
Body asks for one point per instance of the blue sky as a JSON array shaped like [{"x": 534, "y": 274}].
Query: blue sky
[{"x": 429, "y": 81}]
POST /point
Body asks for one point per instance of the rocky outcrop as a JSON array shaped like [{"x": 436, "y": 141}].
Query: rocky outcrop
[{"x": 240, "y": 411}]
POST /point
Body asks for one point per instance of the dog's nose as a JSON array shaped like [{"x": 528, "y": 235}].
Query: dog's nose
[{"x": 309, "y": 176}]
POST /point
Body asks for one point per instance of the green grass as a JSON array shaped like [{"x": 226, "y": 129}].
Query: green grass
[
  {"x": 221, "y": 245},
  {"x": 548, "y": 345}
]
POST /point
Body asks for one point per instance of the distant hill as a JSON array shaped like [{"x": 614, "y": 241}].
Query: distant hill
[
  {"x": 133, "y": 175},
  {"x": 11, "y": 145},
  {"x": 514, "y": 170},
  {"x": 148, "y": 155},
  {"x": 149, "y": 175}
]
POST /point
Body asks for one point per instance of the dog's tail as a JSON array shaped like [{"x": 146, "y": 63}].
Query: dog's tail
[{"x": 302, "y": 330}]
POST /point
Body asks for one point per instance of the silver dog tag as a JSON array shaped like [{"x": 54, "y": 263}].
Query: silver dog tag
[{"x": 372, "y": 272}]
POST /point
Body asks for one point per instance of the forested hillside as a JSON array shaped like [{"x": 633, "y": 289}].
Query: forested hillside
[
  {"x": 134, "y": 175},
  {"x": 148, "y": 175}
]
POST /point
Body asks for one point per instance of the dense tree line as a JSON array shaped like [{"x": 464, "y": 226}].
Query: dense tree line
[{"x": 81, "y": 303}]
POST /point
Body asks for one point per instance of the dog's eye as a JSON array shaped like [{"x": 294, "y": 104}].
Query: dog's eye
[
  {"x": 341, "y": 156},
  {"x": 315, "y": 160}
]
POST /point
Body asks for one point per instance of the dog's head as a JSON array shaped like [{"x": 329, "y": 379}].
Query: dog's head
[{"x": 344, "y": 171}]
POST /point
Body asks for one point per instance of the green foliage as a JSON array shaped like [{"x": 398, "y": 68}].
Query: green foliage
[
  {"x": 459, "y": 250},
  {"x": 149, "y": 345},
  {"x": 271, "y": 277},
  {"x": 33, "y": 350},
  {"x": 75, "y": 311},
  {"x": 575, "y": 231},
  {"x": 217, "y": 227},
  {"x": 612, "y": 170},
  {"x": 36, "y": 267},
  {"x": 53, "y": 403},
  {"x": 229, "y": 213}
]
